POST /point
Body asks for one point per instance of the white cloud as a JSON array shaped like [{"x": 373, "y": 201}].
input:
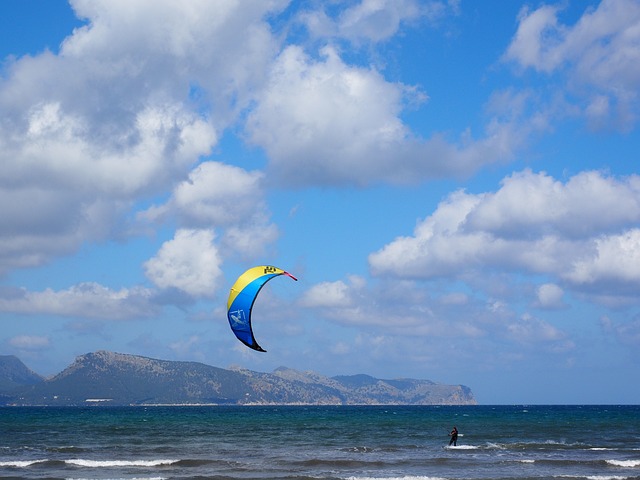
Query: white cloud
[
  {"x": 250, "y": 241},
  {"x": 528, "y": 329},
  {"x": 374, "y": 20},
  {"x": 226, "y": 197},
  {"x": 85, "y": 300},
  {"x": 29, "y": 342},
  {"x": 215, "y": 194},
  {"x": 189, "y": 262},
  {"x": 67, "y": 187},
  {"x": 132, "y": 101},
  {"x": 219, "y": 194},
  {"x": 326, "y": 122},
  {"x": 589, "y": 203},
  {"x": 221, "y": 46},
  {"x": 324, "y": 114},
  {"x": 615, "y": 258},
  {"x": 550, "y": 296},
  {"x": 600, "y": 52},
  {"x": 327, "y": 294},
  {"x": 533, "y": 225}
]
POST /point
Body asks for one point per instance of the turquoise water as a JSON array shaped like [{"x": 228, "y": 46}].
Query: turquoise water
[{"x": 341, "y": 442}]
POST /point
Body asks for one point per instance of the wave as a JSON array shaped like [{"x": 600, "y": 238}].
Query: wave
[
  {"x": 596, "y": 477},
  {"x": 120, "y": 463},
  {"x": 80, "y": 462},
  {"x": 624, "y": 463},
  {"x": 66, "y": 449},
  {"x": 606, "y": 477},
  {"x": 408, "y": 477},
  {"x": 21, "y": 463},
  {"x": 339, "y": 463}
]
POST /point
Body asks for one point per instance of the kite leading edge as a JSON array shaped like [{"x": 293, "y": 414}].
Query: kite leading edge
[{"x": 241, "y": 298}]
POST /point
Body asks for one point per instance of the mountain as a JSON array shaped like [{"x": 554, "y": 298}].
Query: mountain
[
  {"x": 109, "y": 378},
  {"x": 14, "y": 374}
]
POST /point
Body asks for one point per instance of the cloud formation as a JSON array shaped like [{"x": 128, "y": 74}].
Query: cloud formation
[
  {"x": 118, "y": 115},
  {"x": 208, "y": 124},
  {"x": 85, "y": 300},
  {"x": 324, "y": 122},
  {"x": 373, "y": 20},
  {"x": 596, "y": 56},
  {"x": 582, "y": 233},
  {"x": 189, "y": 262}
]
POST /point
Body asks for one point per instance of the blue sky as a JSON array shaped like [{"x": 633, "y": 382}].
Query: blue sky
[{"x": 454, "y": 184}]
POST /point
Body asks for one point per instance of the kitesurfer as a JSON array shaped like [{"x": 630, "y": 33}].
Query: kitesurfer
[{"x": 454, "y": 437}]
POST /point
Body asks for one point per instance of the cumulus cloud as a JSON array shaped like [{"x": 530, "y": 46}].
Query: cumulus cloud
[
  {"x": 118, "y": 115},
  {"x": 61, "y": 188},
  {"x": 138, "y": 96},
  {"x": 374, "y": 20},
  {"x": 550, "y": 296},
  {"x": 615, "y": 258},
  {"x": 224, "y": 197},
  {"x": 189, "y": 262},
  {"x": 587, "y": 204},
  {"x": 219, "y": 46},
  {"x": 423, "y": 322},
  {"x": 218, "y": 194},
  {"x": 393, "y": 309},
  {"x": 85, "y": 300},
  {"x": 598, "y": 55},
  {"x": 533, "y": 225},
  {"x": 326, "y": 122},
  {"x": 327, "y": 294},
  {"x": 530, "y": 329}
]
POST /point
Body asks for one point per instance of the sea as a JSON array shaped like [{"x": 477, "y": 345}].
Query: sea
[{"x": 320, "y": 442}]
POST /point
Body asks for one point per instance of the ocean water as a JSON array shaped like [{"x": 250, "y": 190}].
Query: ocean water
[{"x": 315, "y": 443}]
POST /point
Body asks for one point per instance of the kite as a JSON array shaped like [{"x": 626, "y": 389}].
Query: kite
[{"x": 242, "y": 297}]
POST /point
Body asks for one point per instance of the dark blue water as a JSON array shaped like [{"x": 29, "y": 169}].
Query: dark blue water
[{"x": 356, "y": 443}]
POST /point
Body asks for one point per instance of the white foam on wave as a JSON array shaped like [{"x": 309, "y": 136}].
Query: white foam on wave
[
  {"x": 120, "y": 463},
  {"x": 606, "y": 477},
  {"x": 127, "y": 478},
  {"x": 408, "y": 477},
  {"x": 624, "y": 463},
  {"x": 20, "y": 463},
  {"x": 497, "y": 446}
]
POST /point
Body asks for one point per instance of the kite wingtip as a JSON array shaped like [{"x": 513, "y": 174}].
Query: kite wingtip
[{"x": 288, "y": 274}]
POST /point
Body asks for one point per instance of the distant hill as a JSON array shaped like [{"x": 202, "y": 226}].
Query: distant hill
[
  {"x": 14, "y": 374},
  {"x": 107, "y": 378}
]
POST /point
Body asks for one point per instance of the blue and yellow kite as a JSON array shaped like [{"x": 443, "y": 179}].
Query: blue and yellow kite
[{"x": 242, "y": 297}]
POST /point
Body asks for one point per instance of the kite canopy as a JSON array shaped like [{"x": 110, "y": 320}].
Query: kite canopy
[{"x": 241, "y": 298}]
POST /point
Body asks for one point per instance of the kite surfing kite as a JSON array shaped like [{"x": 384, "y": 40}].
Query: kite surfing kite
[{"x": 241, "y": 298}]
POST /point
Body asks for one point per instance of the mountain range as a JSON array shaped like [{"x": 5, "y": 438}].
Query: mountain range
[{"x": 108, "y": 378}]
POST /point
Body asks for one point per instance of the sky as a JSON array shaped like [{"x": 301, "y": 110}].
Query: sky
[{"x": 454, "y": 184}]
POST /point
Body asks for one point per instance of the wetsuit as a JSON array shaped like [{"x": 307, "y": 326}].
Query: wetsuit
[{"x": 454, "y": 437}]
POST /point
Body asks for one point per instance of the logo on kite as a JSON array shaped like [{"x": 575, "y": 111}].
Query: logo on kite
[{"x": 241, "y": 298}]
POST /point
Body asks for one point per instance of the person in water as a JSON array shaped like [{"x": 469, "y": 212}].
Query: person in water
[{"x": 454, "y": 437}]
